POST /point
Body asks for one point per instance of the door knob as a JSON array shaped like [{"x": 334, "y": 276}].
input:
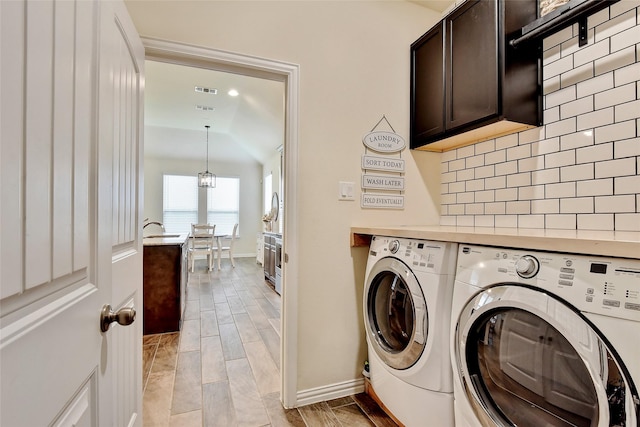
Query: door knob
[{"x": 125, "y": 316}]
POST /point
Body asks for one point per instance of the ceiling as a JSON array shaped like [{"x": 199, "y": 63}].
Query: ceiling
[{"x": 245, "y": 128}]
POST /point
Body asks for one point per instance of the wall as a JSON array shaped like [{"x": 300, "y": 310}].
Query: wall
[
  {"x": 250, "y": 194},
  {"x": 581, "y": 170},
  {"x": 354, "y": 68},
  {"x": 272, "y": 167}
]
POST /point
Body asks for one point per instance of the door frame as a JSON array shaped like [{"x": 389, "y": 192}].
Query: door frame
[{"x": 195, "y": 56}]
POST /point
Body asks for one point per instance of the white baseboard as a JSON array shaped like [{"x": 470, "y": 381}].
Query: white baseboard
[{"x": 329, "y": 392}]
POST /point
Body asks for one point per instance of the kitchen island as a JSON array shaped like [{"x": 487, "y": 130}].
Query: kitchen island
[
  {"x": 621, "y": 244},
  {"x": 164, "y": 282}
]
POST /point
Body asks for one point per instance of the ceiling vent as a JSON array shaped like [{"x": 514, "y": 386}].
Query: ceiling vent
[
  {"x": 204, "y": 108},
  {"x": 208, "y": 90}
]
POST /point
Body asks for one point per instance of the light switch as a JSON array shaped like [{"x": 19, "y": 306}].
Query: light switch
[{"x": 345, "y": 190}]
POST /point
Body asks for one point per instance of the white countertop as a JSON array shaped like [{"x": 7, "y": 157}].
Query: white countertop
[
  {"x": 164, "y": 239},
  {"x": 605, "y": 243}
]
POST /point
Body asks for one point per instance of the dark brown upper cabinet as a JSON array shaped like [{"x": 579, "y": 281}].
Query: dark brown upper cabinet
[{"x": 467, "y": 83}]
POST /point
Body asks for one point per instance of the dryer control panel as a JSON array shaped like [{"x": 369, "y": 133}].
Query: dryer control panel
[
  {"x": 420, "y": 255},
  {"x": 608, "y": 286}
]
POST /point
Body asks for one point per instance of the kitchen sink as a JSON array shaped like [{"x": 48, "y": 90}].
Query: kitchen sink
[{"x": 162, "y": 236}]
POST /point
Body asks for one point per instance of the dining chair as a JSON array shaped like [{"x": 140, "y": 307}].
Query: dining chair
[
  {"x": 228, "y": 248},
  {"x": 201, "y": 243}
]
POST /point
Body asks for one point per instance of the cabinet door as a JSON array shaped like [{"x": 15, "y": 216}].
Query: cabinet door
[
  {"x": 427, "y": 95},
  {"x": 471, "y": 63}
]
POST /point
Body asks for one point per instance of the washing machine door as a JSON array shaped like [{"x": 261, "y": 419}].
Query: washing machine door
[
  {"x": 396, "y": 315},
  {"x": 528, "y": 359}
]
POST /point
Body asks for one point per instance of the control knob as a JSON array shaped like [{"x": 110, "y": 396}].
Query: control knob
[
  {"x": 527, "y": 266},
  {"x": 394, "y": 245}
]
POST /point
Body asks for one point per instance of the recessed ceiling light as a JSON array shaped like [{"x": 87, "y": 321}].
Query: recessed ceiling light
[
  {"x": 208, "y": 90},
  {"x": 233, "y": 92},
  {"x": 204, "y": 108}
]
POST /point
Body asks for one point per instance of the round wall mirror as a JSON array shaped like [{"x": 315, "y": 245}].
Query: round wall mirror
[{"x": 275, "y": 206}]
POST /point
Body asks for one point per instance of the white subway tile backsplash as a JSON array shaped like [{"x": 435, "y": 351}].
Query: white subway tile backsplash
[
  {"x": 519, "y": 207},
  {"x": 613, "y": 168},
  {"x": 576, "y": 205},
  {"x": 465, "y": 175},
  {"x": 615, "y": 60},
  {"x": 577, "y": 107},
  {"x": 595, "y": 222},
  {"x": 495, "y": 182},
  {"x": 563, "y": 127},
  {"x": 581, "y": 170},
  {"x": 627, "y": 74},
  {"x": 595, "y": 153},
  {"x": 546, "y": 206},
  {"x": 558, "y": 67},
  {"x": 576, "y": 173},
  {"x": 531, "y": 192},
  {"x": 594, "y": 85},
  {"x": 494, "y": 157},
  {"x": 625, "y": 38},
  {"x": 597, "y": 118},
  {"x": 485, "y": 196},
  {"x": 590, "y": 52},
  {"x": 474, "y": 185},
  {"x": 616, "y": 95},
  {"x": 561, "y": 97},
  {"x": 616, "y": 204},
  {"x": 595, "y": 187},
  {"x": 563, "y": 222},
  {"x": 575, "y": 140},
  {"x": 627, "y": 111},
  {"x": 560, "y": 190},
  {"x": 531, "y": 164},
  {"x": 557, "y": 38},
  {"x": 519, "y": 179},
  {"x": 562, "y": 158},
  {"x": 545, "y": 146},
  {"x": 506, "y": 141},
  {"x": 506, "y": 194},
  {"x": 627, "y": 221},
  {"x": 506, "y": 168},
  {"x": 626, "y": 148},
  {"x": 495, "y": 208},
  {"x": 627, "y": 184},
  {"x": 484, "y": 221},
  {"x": 615, "y": 132},
  {"x": 506, "y": 221},
  {"x": 531, "y": 221},
  {"x": 545, "y": 176}
]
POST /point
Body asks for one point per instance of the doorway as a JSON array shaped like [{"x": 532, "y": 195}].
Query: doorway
[{"x": 191, "y": 56}]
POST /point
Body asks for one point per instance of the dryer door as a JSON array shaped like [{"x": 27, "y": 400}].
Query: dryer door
[
  {"x": 395, "y": 313},
  {"x": 528, "y": 359}
]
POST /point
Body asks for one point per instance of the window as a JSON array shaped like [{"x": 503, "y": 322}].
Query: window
[
  {"x": 179, "y": 203},
  {"x": 223, "y": 204}
]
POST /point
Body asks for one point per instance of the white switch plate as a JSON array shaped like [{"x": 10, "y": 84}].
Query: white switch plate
[{"x": 345, "y": 190}]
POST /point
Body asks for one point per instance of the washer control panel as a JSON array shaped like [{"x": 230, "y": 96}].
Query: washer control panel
[
  {"x": 609, "y": 286},
  {"x": 419, "y": 255}
]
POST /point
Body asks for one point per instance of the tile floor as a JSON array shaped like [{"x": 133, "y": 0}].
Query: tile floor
[{"x": 222, "y": 369}]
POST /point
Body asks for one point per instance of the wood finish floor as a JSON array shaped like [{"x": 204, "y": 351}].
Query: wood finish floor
[{"x": 222, "y": 369}]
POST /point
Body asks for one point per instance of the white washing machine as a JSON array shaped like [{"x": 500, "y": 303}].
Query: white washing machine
[
  {"x": 407, "y": 314},
  {"x": 545, "y": 339}
]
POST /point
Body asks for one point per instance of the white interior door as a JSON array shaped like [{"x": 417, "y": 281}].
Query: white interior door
[{"x": 67, "y": 231}]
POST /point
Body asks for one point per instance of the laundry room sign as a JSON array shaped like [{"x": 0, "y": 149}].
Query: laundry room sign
[{"x": 388, "y": 182}]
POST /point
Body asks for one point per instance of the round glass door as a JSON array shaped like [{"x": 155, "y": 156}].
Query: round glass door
[
  {"x": 396, "y": 314},
  {"x": 529, "y": 360}
]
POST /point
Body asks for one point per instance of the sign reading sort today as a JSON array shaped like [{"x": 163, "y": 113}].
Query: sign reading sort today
[{"x": 385, "y": 143}]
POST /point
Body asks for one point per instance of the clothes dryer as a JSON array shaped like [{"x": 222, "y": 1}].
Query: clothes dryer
[
  {"x": 545, "y": 339},
  {"x": 407, "y": 314}
]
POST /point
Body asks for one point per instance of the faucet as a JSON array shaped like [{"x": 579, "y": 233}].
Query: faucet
[{"x": 153, "y": 222}]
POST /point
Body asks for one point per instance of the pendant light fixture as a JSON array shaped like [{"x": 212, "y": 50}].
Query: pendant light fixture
[{"x": 206, "y": 178}]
